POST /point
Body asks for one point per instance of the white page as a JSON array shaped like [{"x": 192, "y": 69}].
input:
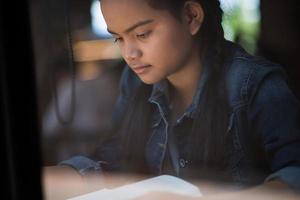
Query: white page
[{"x": 163, "y": 183}]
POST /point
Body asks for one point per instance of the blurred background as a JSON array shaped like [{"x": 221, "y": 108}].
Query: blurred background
[{"x": 78, "y": 67}]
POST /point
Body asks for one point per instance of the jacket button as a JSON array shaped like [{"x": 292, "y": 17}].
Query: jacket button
[{"x": 182, "y": 162}]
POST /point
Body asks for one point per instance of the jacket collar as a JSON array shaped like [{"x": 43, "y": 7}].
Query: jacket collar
[{"x": 160, "y": 89}]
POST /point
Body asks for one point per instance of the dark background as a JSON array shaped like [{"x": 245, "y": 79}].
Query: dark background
[{"x": 279, "y": 39}]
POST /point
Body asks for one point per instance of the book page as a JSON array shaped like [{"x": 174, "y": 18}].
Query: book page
[{"x": 163, "y": 183}]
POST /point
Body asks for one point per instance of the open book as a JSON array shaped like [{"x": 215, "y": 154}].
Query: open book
[{"x": 163, "y": 183}]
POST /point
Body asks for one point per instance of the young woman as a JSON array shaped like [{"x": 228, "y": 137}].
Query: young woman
[{"x": 193, "y": 104}]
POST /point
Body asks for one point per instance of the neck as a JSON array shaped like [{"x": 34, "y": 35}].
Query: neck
[{"x": 184, "y": 83}]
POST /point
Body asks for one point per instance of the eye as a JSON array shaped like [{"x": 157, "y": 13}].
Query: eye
[
  {"x": 144, "y": 35},
  {"x": 118, "y": 39}
]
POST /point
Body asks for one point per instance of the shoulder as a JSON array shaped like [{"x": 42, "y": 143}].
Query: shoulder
[{"x": 245, "y": 74}]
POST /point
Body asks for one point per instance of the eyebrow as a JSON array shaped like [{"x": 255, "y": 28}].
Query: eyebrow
[{"x": 141, "y": 23}]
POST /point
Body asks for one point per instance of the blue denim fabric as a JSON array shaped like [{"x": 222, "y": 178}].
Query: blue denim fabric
[
  {"x": 83, "y": 165},
  {"x": 263, "y": 134}
]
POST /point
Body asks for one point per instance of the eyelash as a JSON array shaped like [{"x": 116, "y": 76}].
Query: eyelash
[
  {"x": 141, "y": 36},
  {"x": 117, "y": 40}
]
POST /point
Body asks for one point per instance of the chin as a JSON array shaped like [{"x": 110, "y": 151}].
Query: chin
[{"x": 149, "y": 81}]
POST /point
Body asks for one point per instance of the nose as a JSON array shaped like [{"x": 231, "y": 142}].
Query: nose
[{"x": 131, "y": 52}]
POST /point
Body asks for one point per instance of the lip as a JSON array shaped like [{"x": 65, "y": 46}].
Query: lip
[{"x": 141, "y": 69}]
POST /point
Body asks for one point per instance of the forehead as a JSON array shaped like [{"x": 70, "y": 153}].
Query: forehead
[
  {"x": 116, "y": 6},
  {"x": 120, "y": 14}
]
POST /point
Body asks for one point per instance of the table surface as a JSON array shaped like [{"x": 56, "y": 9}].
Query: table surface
[{"x": 60, "y": 185}]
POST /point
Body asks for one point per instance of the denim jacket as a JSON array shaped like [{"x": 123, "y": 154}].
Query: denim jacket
[{"x": 263, "y": 134}]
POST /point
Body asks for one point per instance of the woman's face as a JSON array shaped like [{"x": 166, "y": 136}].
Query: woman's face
[{"x": 154, "y": 43}]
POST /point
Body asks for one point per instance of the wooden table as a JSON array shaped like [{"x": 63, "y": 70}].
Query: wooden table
[{"x": 61, "y": 184}]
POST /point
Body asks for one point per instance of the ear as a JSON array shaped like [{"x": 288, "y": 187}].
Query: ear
[{"x": 193, "y": 15}]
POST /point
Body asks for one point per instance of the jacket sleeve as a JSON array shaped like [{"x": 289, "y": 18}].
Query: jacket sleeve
[{"x": 275, "y": 114}]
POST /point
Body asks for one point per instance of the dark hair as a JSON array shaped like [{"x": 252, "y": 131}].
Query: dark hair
[{"x": 210, "y": 125}]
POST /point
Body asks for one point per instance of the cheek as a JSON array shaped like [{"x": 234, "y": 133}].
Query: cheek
[{"x": 168, "y": 49}]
